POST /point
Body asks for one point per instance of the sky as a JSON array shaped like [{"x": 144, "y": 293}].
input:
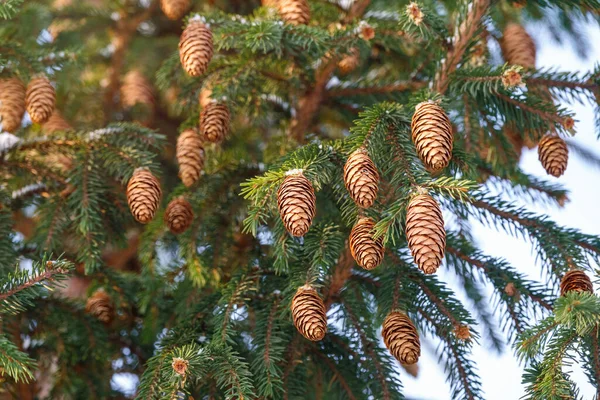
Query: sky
[{"x": 501, "y": 374}]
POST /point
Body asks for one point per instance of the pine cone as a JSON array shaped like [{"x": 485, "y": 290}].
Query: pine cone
[
  {"x": 517, "y": 46},
  {"x": 136, "y": 89},
  {"x": 349, "y": 62},
  {"x": 462, "y": 332},
  {"x": 40, "y": 99},
  {"x": 174, "y": 9},
  {"x": 575, "y": 280},
  {"x": 179, "y": 215},
  {"x": 12, "y": 103},
  {"x": 190, "y": 156},
  {"x": 294, "y": 12},
  {"x": 432, "y": 135},
  {"x": 214, "y": 122},
  {"x": 425, "y": 232},
  {"x": 143, "y": 195},
  {"x": 553, "y": 154},
  {"x": 367, "y": 252},
  {"x": 309, "y": 313},
  {"x": 100, "y": 306},
  {"x": 56, "y": 123},
  {"x": 401, "y": 338},
  {"x": 196, "y": 48},
  {"x": 361, "y": 178},
  {"x": 297, "y": 203}
]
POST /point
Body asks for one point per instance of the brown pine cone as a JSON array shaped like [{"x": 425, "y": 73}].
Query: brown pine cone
[
  {"x": 432, "y": 135},
  {"x": 214, "y": 122},
  {"x": 143, "y": 195},
  {"x": 179, "y": 215},
  {"x": 190, "y": 156},
  {"x": 349, "y": 62},
  {"x": 575, "y": 280},
  {"x": 367, "y": 252},
  {"x": 56, "y": 123},
  {"x": 100, "y": 306},
  {"x": 361, "y": 178},
  {"x": 12, "y": 104},
  {"x": 411, "y": 369},
  {"x": 174, "y": 9},
  {"x": 517, "y": 46},
  {"x": 462, "y": 332},
  {"x": 425, "y": 232},
  {"x": 136, "y": 89},
  {"x": 297, "y": 203},
  {"x": 309, "y": 313},
  {"x": 553, "y": 154},
  {"x": 196, "y": 48},
  {"x": 40, "y": 99},
  {"x": 294, "y": 12},
  {"x": 401, "y": 338}
]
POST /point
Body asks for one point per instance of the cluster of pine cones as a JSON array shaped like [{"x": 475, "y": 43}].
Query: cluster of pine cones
[{"x": 38, "y": 99}]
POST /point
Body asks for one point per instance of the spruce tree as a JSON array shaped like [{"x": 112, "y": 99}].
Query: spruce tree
[{"x": 250, "y": 200}]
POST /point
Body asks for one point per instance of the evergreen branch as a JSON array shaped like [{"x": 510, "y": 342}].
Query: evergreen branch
[
  {"x": 9, "y": 8},
  {"x": 15, "y": 363},
  {"x": 336, "y": 373},
  {"x": 386, "y": 89}
]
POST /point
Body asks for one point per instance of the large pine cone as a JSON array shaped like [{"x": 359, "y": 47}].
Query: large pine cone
[
  {"x": 432, "y": 135},
  {"x": 361, "y": 178},
  {"x": 174, "y": 9},
  {"x": 425, "y": 232},
  {"x": 56, "y": 123},
  {"x": 100, "y": 306},
  {"x": 349, "y": 62},
  {"x": 179, "y": 215},
  {"x": 297, "y": 203},
  {"x": 143, "y": 195},
  {"x": 136, "y": 89},
  {"x": 517, "y": 46},
  {"x": 12, "y": 103},
  {"x": 401, "y": 338},
  {"x": 294, "y": 12},
  {"x": 553, "y": 154},
  {"x": 40, "y": 99},
  {"x": 367, "y": 252},
  {"x": 575, "y": 280},
  {"x": 196, "y": 48},
  {"x": 214, "y": 122},
  {"x": 190, "y": 156},
  {"x": 309, "y": 313}
]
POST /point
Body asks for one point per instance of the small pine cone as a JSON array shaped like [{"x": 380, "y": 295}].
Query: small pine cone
[
  {"x": 179, "y": 215},
  {"x": 401, "y": 338},
  {"x": 553, "y": 154},
  {"x": 361, "y": 178},
  {"x": 349, "y": 62},
  {"x": 309, "y": 313},
  {"x": 575, "y": 280},
  {"x": 294, "y": 12},
  {"x": 180, "y": 365},
  {"x": 136, "y": 89},
  {"x": 367, "y": 252},
  {"x": 174, "y": 9},
  {"x": 462, "y": 332},
  {"x": 190, "y": 156},
  {"x": 100, "y": 306},
  {"x": 432, "y": 135},
  {"x": 214, "y": 122},
  {"x": 12, "y": 103},
  {"x": 510, "y": 289},
  {"x": 425, "y": 232},
  {"x": 196, "y": 48},
  {"x": 517, "y": 46},
  {"x": 56, "y": 123},
  {"x": 143, "y": 195},
  {"x": 40, "y": 99},
  {"x": 297, "y": 203}
]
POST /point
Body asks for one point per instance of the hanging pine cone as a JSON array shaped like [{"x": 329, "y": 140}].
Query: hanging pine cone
[
  {"x": 196, "y": 48},
  {"x": 56, "y": 123},
  {"x": 179, "y": 215},
  {"x": 214, "y": 122},
  {"x": 401, "y": 338},
  {"x": 40, "y": 99},
  {"x": 136, "y": 89},
  {"x": 425, "y": 232},
  {"x": 190, "y": 156},
  {"x": 349, "y": 62},
  {"x": 309, "y": 313},
  {"x": 361, "y": 178},
  {"x": 432, "y": 135},
  {"x": 553, "y": 154},
  {"x": 294, "y": 12},
  {"x": 12, "y": 103},
  {"x": 462, "y": 332},
  {"x": 517, "y": 46},
  {"x": 143, "y": 195},
  {"x": 575, "y": 280},
  {"x": 100, "y": 306},
  {"x": 297, "y": 203},
  {"x": 174, "y": 9},
  {"x": 367, "y": 252}
]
